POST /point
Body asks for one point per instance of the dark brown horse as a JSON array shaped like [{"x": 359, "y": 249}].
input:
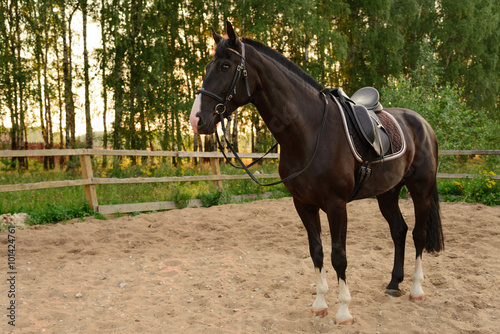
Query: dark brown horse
[{"x": 290, "y": 103}]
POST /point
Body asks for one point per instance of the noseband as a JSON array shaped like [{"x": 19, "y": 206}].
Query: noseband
[{"x": 220, "y": 109}]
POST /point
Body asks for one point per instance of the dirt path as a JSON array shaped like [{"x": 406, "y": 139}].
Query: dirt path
[{"x": 245, "y": 268}]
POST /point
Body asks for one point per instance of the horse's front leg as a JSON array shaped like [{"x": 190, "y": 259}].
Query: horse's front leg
[
  {"x": 337, "y": 218},
  {"x": 310, "y": 218}
]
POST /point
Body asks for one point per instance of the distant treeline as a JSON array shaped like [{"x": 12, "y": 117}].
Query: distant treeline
[{"x": 153, "y": 52}]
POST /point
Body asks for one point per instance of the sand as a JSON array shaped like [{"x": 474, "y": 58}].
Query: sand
[{"x": 245, "y": 268}]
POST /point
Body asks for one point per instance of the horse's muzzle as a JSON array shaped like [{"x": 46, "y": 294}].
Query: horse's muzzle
[
  {"x": 195, "y": 114},
  {"x": 204, "y": 122}
]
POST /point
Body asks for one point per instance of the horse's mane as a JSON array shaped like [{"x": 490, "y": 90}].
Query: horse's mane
[{"x": 285, "y": 62}]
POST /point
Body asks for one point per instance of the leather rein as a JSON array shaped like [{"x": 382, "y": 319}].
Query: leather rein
[{"x": 220, "y": 109}]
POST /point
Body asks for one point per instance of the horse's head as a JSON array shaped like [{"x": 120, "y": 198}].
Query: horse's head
[{"x": 225, "y": 86}]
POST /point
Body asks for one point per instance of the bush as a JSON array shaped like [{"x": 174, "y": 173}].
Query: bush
[
  {"x": 213, "y": 198},
  {"x": 481, "y": 189},
  {"x": 181, "y": 196},
  {"x": 455, "y": 124},
  {"x": 55, "y": 213}
]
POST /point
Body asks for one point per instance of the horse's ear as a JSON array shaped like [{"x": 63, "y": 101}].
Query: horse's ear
[
  {"x": 217, "y": 37},
  {"x": 231, "y": 33}
]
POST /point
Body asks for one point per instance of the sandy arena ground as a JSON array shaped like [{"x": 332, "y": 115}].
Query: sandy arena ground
[{"x": 245, "y": 268}]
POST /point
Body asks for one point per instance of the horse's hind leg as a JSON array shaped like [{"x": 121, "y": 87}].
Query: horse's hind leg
[
  {"x": 427, "y": 233},
  {"x": 388, "y": 204},
  {"x": 422, "y": 211},
  {"x": 310, "y": 218}
]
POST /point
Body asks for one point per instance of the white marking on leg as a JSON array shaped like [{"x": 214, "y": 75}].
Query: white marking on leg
[
  {"x": 343, "y": 316},
  {"x": 416, "y": 292},
  {"x": 321, "y": 290}
]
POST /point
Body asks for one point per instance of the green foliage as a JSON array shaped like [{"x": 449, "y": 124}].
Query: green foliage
[
  {"x": 99, "y": 216},
  {"x": 181, "y": 196},
  {"x": 404, "y": 192},
  {"x": 6, "y": 164},
  {"x": 469, "y": 49},
  {"x": 455, "y": 124},
  {"x": 152, "y": 56},
  {"x": 213, "y": 198},
  {"x": 53, "y": 213},
  {"x": 481, "y": 189}
]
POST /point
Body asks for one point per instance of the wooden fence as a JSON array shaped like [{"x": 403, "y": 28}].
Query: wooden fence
[{"x": 89, "y": 181}]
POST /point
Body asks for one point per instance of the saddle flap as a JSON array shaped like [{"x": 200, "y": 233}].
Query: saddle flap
[{"x": 372, "y": 130}]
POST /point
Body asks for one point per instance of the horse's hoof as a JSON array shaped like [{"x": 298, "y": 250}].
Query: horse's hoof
[
  {"x": 394, "y": 293},
  {"x": 348, "y": 321},
  {"x": 320, "y": 312},
  {"x": 418, "y": 298}
]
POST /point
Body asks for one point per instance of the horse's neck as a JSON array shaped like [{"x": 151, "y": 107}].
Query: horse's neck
[{"x": 291, "y": 109}]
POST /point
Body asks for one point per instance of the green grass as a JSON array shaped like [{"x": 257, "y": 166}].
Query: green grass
[{"x": 57, "y": 204}]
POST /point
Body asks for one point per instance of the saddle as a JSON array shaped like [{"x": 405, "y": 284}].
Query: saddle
[
  {"x": 361, "y": 110},
  {"x": 366, "y": 125}
]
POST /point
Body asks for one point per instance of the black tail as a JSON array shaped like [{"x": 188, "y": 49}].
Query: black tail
[{"x": 435, "y": 238}]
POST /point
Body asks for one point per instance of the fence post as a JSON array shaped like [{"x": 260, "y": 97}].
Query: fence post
[
  {"x": 214, "y": 162},
  {"x": 87, "y": 173}
]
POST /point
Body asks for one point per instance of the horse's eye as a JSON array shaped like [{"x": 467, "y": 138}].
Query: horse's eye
[{"x": 224, "y": 67}]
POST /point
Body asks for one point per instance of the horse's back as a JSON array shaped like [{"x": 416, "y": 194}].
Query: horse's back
[
  {"x": 407, "y": 115},
  {"x": 421, "y": 143},
  {"x": 414, "y": 126}
]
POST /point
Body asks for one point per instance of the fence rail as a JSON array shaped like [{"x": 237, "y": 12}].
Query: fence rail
[
  {"x": 89, "y": 182},
  {"x": 136, "y": 153}
]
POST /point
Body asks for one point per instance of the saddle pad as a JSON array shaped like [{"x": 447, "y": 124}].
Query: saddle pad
[{"x": 360, "y": 150}]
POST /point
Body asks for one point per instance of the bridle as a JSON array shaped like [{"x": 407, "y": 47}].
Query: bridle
[{"x": 220, "y": 109}]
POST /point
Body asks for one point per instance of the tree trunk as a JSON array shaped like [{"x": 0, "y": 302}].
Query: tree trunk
[
  {"x": 66, "y": 74},
  {"x": 196, "y": 146},
  {"x": 10, "y": 67},
  {"x": 104, "y": 83},
  {"x": 22, "y": 143},
  {"x": 234, "y": 134},
  {"x": 71, "y": 101},
  {"x": 256, "y": 142},
  {"x": 88, "y": 119},
  {"x": 40, "y": 63},
  {"x": 117, "y": 82},
  {"x": 210, "y": 145},
  {"x": 60, "y": 102},
  {"x": 49, "y": 161}
]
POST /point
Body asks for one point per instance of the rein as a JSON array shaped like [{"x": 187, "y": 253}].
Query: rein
[
  {"x": 245, "y": 167},
  {"x": 220, "y": 109}
]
